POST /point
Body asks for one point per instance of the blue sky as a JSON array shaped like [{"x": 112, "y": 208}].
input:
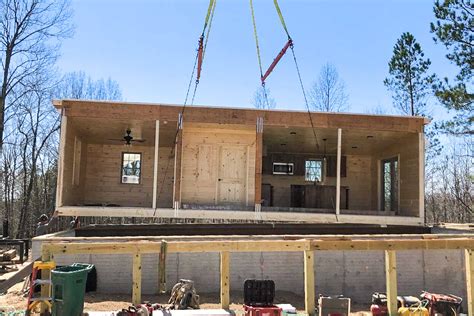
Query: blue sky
[{"x": 149, "y": 46}]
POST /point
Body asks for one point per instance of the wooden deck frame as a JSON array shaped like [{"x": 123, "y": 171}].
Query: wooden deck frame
[
  {"x": 308, "y": 246},
  {"x": 240, "y": 215}
]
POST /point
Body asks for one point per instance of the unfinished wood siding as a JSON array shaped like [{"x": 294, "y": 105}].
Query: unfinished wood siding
[
  {"x": 103, "y": 174},
  {"x": 407, "y": 150},
  {"x": 218, "y": 164},
  {"x": 358, "y": 180},
  {"x": 74, "y": 166}
]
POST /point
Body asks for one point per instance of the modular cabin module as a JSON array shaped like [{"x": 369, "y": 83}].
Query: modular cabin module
[{"x": 157, "y": 160}]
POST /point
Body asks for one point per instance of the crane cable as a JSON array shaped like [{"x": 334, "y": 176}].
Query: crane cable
[
  {"x": 198, "y": 60},
  {"x": 282, "y": 20},
  {"x": 264, "y": 89}
]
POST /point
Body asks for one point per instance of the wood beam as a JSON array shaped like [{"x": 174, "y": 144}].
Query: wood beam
[
  {"x": 225, "y": 279},
  {"x": 62, "y": 153},
  {"x": 155, "y": 164},
  {"x": 309, "y": 289},
  {"x": 122, "y": 110},
  {"x": 178, "y": 152},
  {"x": 338, "y": 172},
  {"x": 137, "y": 279},
  {"x": 391, "y": 281},
  {"x": 469, "y": 261},
  {"x": 258, "y": 164}
]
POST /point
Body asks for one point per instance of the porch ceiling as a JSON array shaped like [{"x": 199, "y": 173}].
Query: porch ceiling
[
  {"x": 354, "y": 142},
  {"x": 101, "y": 131}
]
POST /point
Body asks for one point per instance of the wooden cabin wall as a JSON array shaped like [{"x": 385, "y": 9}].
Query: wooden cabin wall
[
  {"x": 407, "y": 149},
  {"x": 357, "y": 179},
  {"x": 218, "y": 159},
  {"x": 74, "y": 157},
  {"x": 103, "y": 184}
]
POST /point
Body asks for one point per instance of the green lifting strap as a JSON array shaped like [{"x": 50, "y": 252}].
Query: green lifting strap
[
  {"x": 282, "y": 20},
  {"x": 256, "y": 38}
]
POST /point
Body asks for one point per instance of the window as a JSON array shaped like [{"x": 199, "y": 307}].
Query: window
[
  {"x": 313, "y": 170},
  {"x": 131, "y": 168},
  {"x": 390, "y": 184}
]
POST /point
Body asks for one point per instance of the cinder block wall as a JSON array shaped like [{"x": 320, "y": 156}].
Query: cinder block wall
[{"x": 356, "y": 274}]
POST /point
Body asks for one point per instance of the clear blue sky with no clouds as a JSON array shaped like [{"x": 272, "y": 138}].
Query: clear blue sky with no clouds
[{"x": 149, "y": 46}]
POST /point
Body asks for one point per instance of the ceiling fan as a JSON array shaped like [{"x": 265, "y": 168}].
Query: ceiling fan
[{"x": 128, "y": 138}]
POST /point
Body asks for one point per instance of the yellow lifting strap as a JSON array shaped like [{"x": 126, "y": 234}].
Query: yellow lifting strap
[{"x": 210, "y": 9}]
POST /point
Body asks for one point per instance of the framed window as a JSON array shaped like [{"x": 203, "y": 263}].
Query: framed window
[
  {"x": 313, "y": 170},
  {"x": 131, "y": 168},
  {"x": 389, "y": 184}
]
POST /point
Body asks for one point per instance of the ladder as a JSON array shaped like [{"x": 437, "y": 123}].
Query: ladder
[{"x": 33, "y": 301}]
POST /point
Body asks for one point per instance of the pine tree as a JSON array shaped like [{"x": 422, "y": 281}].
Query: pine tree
[
  {"x": 408, "y": 79},
  {"x": 454, "y": 28}
]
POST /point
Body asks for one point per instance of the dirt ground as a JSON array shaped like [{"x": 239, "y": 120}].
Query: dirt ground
[{"x": 14, "y": 300}]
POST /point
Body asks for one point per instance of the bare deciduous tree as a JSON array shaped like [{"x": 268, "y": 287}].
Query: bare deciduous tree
[
  {"x": 328, "y": 93},
  {"x": 30, "y": 34},
  {"x": 262, "y": 102},
  {"x": 76, "y": 85}
]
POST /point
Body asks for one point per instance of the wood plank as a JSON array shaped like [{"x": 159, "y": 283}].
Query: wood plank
[
  {"x": 309, "y": 285},
  {"x": 137, "y": 279},
  {"x": 16, "y": 277},
  {"x": 338, "y": 172},
  {"x": 391, "y": 281},
  {"x": 421, "y": 176},
  {"x": 225, "y": 279},
  {"x": 155, "y": 164},
  {"x": 469, "y": 260}
]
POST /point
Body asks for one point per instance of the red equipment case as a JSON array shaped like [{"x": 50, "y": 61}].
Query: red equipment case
[{"x": 262, "y": 311}]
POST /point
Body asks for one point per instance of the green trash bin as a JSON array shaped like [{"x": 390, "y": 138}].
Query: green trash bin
[{"x": 69, "y": 286}]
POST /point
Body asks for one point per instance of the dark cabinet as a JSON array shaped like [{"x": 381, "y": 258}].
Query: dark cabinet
[{"x": 318, "y": 196}]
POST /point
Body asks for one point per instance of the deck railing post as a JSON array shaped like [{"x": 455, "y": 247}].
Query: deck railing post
[
  {"x": 225, "y": 279},
  {"x": 391, "y": 281},
  {"x": 309, "y": 295}
]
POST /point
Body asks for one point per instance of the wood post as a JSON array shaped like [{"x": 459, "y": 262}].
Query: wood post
[
  {"x": 258, "y": 163},
  {"x": 225, "y": 279},
  {"x": 391, "y": 281},
  {"x": 177, "y": 164},
  {"x": 338, "y": 171},
  {"x": 469, "y": 260},
  {"x": 421, "y": 175},
  {"x": 62, "y": 151},
  {"x": 137, "y": 278},
  {"x": 45, "y": 275},
  {"x": 162, "y": 267},
  {"x": 155, "y": 164},
  {"x": 309, "y": 290}
]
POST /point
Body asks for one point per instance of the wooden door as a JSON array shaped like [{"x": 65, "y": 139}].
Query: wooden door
[{"x": 232, "y": 177}]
